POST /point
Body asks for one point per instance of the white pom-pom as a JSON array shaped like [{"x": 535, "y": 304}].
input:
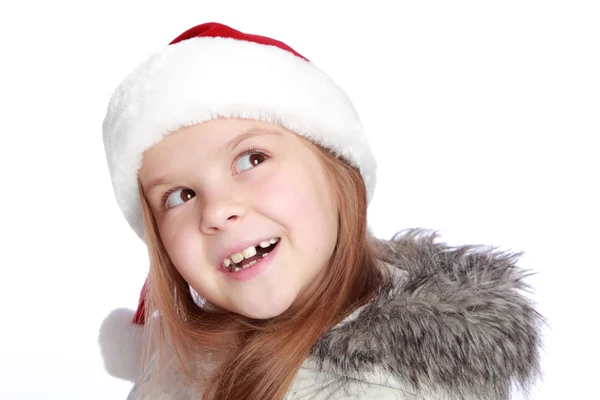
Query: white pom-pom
[{"x": 121, "y": 344}]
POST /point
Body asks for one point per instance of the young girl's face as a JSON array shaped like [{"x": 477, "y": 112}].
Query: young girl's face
[{"x": 227, "y": 185}]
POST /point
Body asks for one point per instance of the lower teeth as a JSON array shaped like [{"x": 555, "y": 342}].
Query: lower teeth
[{"x": 236, "y": 269}]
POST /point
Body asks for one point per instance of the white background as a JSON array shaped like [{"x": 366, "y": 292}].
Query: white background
[{"x": 484, "y": 118}]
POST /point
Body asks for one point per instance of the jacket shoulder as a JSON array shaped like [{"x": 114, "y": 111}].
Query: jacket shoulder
[{"x": 448, "y": 320}]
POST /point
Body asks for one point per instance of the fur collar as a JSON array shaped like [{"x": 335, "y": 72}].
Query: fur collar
[{"x": 449, "y": 320}]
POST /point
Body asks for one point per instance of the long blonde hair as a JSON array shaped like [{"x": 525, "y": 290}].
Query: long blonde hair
[{"x": 258, "y": 359}]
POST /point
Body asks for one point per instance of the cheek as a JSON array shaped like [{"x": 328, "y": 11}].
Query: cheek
[
  {"x": 301, "y": 203},
  {"x": 178, "y": 244}
]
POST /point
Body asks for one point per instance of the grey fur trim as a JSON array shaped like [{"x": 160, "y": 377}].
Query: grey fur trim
[{"x": 450, "y": 320}]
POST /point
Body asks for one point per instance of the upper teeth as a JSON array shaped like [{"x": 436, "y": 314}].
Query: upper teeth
[{"x": 247, "y": 253}]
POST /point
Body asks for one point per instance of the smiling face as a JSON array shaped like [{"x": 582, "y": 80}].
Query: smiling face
[{"x": 226, "y": 185}]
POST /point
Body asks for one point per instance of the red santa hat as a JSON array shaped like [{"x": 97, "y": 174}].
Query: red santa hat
[{"x": 213, "y": 71}]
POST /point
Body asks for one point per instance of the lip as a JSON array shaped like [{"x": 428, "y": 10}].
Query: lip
[
  {"x": 253, "y": 270},
  {"x": 241, "y": 246}
]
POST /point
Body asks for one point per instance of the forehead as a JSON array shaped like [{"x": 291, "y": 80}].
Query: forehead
[
  {"x": 207, "y": 141},
  {"x": 214, "y": 132}
]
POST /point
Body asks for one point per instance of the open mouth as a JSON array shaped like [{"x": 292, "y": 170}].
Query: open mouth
[{"x": 250, "y": 256}]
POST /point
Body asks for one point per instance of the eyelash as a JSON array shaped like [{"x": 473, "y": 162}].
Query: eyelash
[{"x": 166, "y": 195}]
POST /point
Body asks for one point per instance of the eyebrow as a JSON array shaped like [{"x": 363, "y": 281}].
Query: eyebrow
[
  {"x": 229, "y": 146},
  {"x": 251, "y": 133}
]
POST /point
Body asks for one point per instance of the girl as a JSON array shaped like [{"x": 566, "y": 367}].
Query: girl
[{"x": 246, "y": 171}]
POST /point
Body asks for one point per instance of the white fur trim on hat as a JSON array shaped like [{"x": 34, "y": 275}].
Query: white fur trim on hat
[
  {"x": 121, "y": 344},
  {"x": 200, "y": 79}
]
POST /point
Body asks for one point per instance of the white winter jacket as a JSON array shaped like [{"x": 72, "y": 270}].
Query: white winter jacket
[{"x": 450, "y": 322}]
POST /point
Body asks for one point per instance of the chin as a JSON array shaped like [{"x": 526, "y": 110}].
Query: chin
[{"x": 265, "y": 310}]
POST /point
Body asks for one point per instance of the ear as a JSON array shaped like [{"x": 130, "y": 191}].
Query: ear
[{"x": 121, "y": 344}]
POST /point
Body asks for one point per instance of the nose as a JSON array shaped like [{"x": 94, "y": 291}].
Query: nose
[{"x": 220, "y": 214}]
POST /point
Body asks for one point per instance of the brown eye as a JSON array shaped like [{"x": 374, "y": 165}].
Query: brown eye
[
  {"x": 256, "y": 158},
  {"x": 187, "y": 194},
  {"x": 249, "y": 160},
  {"x": 178, "y": 197}
]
